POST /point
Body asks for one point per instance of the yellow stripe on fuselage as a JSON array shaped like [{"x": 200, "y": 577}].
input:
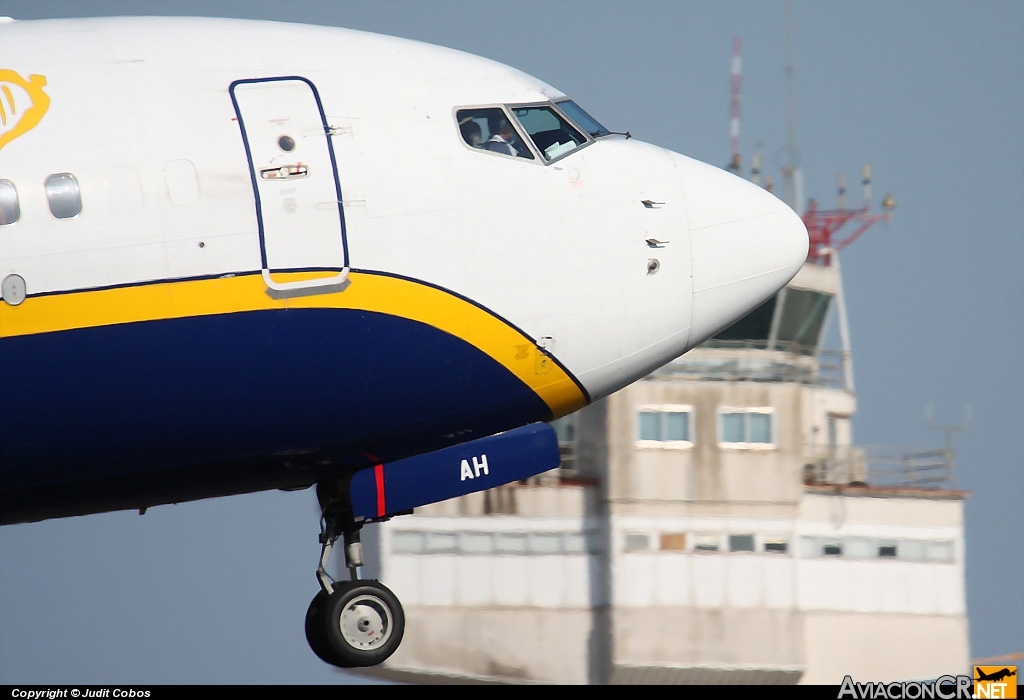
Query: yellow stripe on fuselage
[{"x": 367, "y": 292}]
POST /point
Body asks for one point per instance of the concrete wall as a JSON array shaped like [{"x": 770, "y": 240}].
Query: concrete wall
[
  {"x": 687, "y": 636},
  {"x": 883, "y": 648},
  {"x": 518, "y": 644}
]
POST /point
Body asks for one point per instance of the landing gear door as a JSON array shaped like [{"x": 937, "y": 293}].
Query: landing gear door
[{"x": 295, "y": 183}]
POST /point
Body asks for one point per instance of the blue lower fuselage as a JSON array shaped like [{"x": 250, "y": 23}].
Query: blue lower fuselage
[{"x": 134, "y": 414}]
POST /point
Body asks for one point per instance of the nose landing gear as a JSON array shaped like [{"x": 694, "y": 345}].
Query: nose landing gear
[
  {"x": 359, "y": 622},
  {"x": 351, "y": 623}
]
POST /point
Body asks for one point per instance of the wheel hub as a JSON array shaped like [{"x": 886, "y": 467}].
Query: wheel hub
[{"x": 366, "y": 623}]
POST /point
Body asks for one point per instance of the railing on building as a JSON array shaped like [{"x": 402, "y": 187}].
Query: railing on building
[
  {"x": 880, "y": 467},
  {"x": 874, "y": 466},
  {"x": 786, "y": 363}
]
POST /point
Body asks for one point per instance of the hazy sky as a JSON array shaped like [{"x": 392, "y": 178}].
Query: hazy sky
[{"x": 930, "y": 92}]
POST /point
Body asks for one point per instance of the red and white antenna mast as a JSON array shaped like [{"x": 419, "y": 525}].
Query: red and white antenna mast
[{"x": 824, "y": 225}]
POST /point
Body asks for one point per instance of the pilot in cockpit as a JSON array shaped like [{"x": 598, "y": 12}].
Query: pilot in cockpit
[
  {"x": 471, "y": 133},
  {"x": 502, "y": 139}
]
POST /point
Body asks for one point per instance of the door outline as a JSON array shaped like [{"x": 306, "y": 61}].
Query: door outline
[{"x": 322, "y": 285}]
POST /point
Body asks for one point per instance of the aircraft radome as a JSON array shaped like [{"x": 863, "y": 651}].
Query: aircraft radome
[{"x": 239, "y": 256}]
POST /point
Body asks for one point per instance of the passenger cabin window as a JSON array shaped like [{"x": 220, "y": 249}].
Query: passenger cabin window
[
  {"x": 551, "y": 134},
  {"x": 10, "y": 210},
  {"x": 63, "y": 196},
  {"x": 491, "y": 129}
]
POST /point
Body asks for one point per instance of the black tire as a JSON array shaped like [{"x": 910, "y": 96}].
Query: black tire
[
  {"x": 363, "y": 624},
  {"x": 316, "y": 630}
]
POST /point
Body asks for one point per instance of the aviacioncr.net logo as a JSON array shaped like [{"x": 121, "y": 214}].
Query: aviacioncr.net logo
[
  {"x": 995, "y": 682},
  {"x": 942, "y": 688}
]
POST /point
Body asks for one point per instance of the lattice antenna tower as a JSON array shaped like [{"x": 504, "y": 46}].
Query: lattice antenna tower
[{"x": 734, "y": 123}]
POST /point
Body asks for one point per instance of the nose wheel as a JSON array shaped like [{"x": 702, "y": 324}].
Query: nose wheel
[
  {"x": 352, "y": 623},
  {"x": 360, "y": 624}
]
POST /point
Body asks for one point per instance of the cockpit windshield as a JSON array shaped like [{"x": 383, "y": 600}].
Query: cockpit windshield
[
  {"x": 548, "y": 131},
  {"x": 584, "y": 120},
  {"x": 490, "y": 129},
  {"x": 551, "y": 134}
]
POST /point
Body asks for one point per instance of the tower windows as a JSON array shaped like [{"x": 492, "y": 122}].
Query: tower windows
[
  {"x": 664, "y": 426},
  {"x": 746, "y": 427}
]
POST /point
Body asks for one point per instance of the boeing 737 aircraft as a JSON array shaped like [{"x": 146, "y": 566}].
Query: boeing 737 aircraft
[{"x": 239, "y": 256}]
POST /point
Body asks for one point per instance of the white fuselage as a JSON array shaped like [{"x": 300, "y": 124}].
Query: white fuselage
[{"x": 575, "y": 274}]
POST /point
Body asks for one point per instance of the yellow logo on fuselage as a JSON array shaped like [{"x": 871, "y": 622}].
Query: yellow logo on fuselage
[{"x": 22, "y": 104}]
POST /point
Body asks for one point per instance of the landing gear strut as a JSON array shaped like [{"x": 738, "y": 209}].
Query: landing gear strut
[{"x": 356, "y": 622}]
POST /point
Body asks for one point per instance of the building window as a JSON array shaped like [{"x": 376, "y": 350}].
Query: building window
[
  {"x": 405, "y": 542},
  {"x": 706, "y": 543},
  {"x": 10, "y": 209},
  {"x": 575, "y": 543},
  {"x": 858, "y": 548},
  {"x": 911, "y": 550},
  {"x": 63, "y": 196},
  {"x": 511, "y": 543},
  {"x": 869, "y": 548},
  {"x": 664, "y": 426},
  {"x": 750, "y": 427},
  {"x": 565, "y": 430},
  {"x": 832, "y": 549},
  {"x": 545, "y": 543},
  {"x": 673, "y": 541},
  {"x": 637, "y": 542},
  {"x": 776, "y": 546},
  {"x": 442, "y": 542},
  {"x": 939, "y": 551},
  {"x": 741, "y": 543},
  {"x": 476, "y": 542}
]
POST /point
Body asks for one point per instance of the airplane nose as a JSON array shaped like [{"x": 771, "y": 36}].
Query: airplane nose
[{"x": 745, "y": 246}]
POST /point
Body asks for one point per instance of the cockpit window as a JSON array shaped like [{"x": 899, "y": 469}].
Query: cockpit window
[
  {"x": 491, "y": 129},
  {"x": 552, "y": 135},
  {"x": 582, "y": 119}
]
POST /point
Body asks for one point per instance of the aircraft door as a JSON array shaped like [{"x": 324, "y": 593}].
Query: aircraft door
[{"x": 295, "y": 183}]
